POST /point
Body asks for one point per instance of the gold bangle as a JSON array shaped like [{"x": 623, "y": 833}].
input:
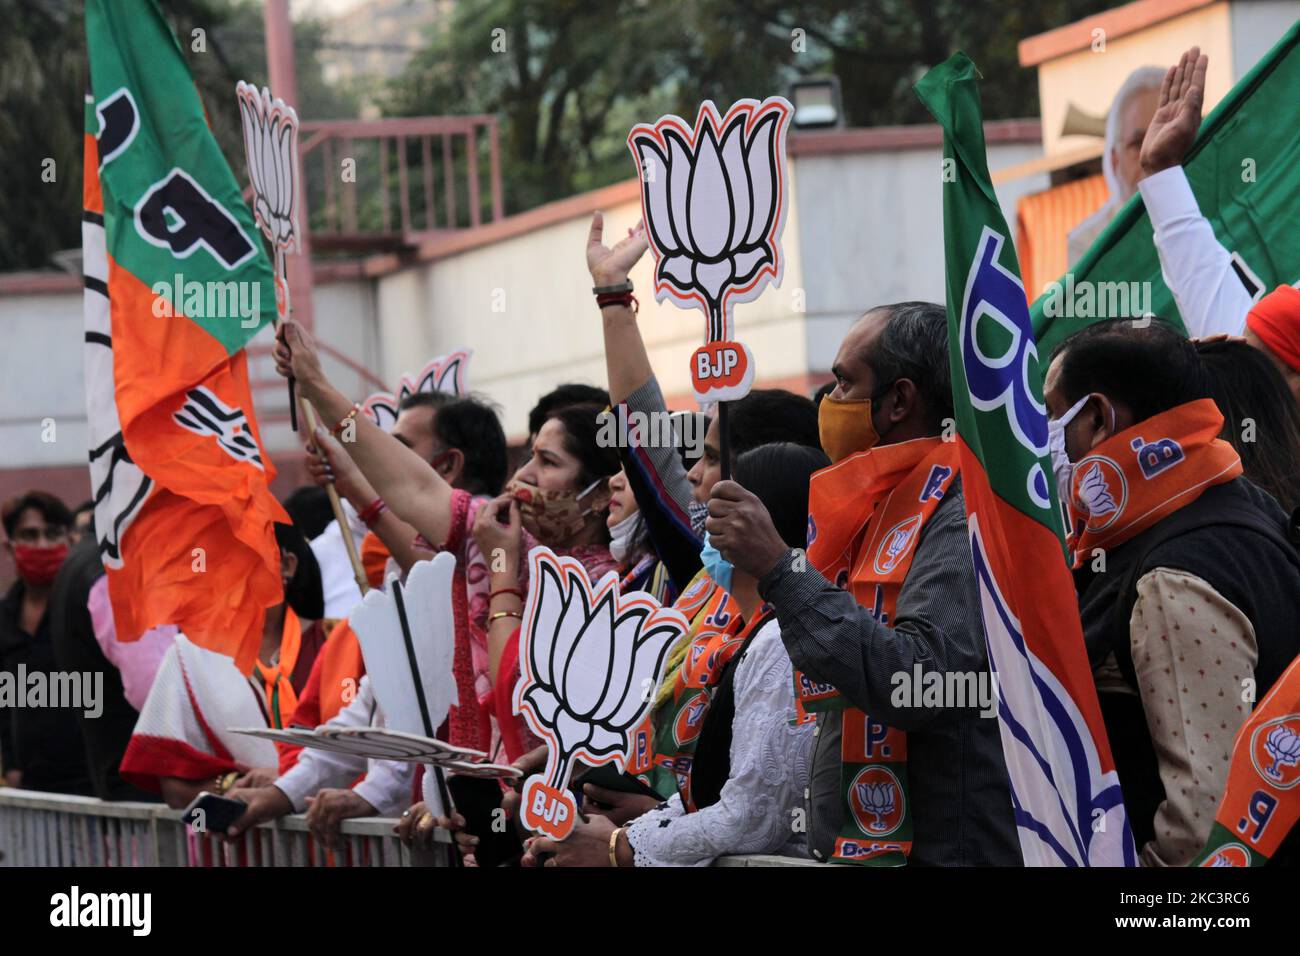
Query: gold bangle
[
  {"x": 499, "y": 614},
  {"x": 613, "y": 846},
  {"x": 343, "y": 422}
]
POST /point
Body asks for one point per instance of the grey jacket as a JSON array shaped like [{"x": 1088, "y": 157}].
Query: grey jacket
[{"x": 957, "y": 778}]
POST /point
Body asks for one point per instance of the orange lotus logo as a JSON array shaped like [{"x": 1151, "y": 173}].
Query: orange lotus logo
[
  {"x": 876, "y": 798},
  {"x": 1234, "y": 854},
  {"x": 1275, "y": 751},
  {"x": 898, "y": 541},
  {"x": 690, "y": 719}
]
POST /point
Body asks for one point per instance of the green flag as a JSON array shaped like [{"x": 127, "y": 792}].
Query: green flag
[
  {"x": 1244, "y": 170},
  {"x": 1065, "y": 792}
]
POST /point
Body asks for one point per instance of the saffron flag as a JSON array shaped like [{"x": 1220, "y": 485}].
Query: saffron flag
[
  {"x": 1064, "y": 789},
  {"x": 175, "y": 281},
  {"x": 1243, "y": 171},
  {"x": 1260, "y": 804}
]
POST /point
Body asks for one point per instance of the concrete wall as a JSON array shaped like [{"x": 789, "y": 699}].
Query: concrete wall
[
  {"x": 871, "y": 232},
  {"x": 1091, "y": 79},
  {"x": 525, "y": 306},
  {"x": 1256, "y": 26},
  {"x": 43, "y": 379},
  {"x": 864, "y": 227}
]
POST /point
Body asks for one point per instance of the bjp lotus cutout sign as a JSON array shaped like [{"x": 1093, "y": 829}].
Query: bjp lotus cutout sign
[
  {"x": 714, "y": 200},
  {"x": 443, "y": 373},
  {"x": 590, "y": 660}
]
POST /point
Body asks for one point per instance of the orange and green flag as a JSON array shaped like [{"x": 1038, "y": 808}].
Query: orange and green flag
[
  {"x": 177, "y": 283},
  {"x": 1065, "y": 792}
]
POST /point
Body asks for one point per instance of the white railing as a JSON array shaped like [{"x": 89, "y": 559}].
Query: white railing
[
  {"x": 52, "y": 829},
  {"x": 48, "y": 829}
]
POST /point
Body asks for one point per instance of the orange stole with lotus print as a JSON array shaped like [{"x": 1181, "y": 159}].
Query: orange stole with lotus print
[
  {"x": 865, "y": 516},
  {"x": 717, "y": 632}
]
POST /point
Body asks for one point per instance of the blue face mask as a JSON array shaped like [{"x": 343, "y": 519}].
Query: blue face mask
[{"x": 715, "y": 565}]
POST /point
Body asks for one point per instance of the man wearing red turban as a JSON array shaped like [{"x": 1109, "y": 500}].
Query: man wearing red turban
[{"x": 1273, "y": 327}]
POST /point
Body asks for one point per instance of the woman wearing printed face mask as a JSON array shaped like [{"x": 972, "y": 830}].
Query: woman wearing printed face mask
[
  {"x": 40, "y": 747},
  {"x": 560, "y": 498}
]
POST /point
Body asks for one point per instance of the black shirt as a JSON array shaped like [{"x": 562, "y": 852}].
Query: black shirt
[
  {"x": 43, "y": 742},
  {"x": 76, "y": 649}
]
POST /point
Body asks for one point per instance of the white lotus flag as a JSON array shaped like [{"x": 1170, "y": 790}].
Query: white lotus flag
[
  {"x": 590, "y": 660},
  {"x": 444, "y": 373},
  {"x": 714, "y": 199},
  {"x": 407, "y": 637}
]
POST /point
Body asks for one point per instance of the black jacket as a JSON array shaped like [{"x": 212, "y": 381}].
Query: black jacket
[
  {"x": 44, "y": 742},
  {"x": 957, "y": 775},
  {"x": 1233, "y": 537},
  {"x": 76, "y": 649}
]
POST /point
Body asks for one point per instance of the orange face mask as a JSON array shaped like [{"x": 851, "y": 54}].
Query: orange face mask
[{"x": 844, "y": 426}]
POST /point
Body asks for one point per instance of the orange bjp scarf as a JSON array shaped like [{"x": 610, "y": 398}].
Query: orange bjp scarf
[{"x": 1142, "y": 475}]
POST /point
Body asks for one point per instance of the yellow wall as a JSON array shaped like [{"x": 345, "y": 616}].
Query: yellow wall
[{"x": 1091, "y": 79}]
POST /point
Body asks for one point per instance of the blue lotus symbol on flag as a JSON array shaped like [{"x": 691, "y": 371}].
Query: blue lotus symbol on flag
[
  {"x": 713, "y": 198},
  {"x": 590, "y": 661},
  {"x": 1283, "y": 745},
  {"x": 877, "y": 799}
]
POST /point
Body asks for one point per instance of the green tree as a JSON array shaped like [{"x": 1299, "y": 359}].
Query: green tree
[
  {"x": 567, "y": 79},
  {"x": 43, "y": 80}
]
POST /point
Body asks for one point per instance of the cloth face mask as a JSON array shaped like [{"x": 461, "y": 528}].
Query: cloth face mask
[
  {"x": 715, "y": 565},
  {"x": 623, "y": 536},
  {"x": 551, "y": 516}
]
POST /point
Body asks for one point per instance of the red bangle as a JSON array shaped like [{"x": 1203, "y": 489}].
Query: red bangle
[
  {"x": 371, "y": 512},
  {"x": 618, "y": 298},
  {"x": 515, "y": 591}
]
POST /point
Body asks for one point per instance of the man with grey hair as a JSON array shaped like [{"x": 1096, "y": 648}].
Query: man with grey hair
[
  {"x": 1126, "y": 125},
  {"x": 883, "y": 605}
]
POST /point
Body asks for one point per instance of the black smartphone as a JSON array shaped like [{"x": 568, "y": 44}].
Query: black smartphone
[
  {"x": 210, "y": 813},
  {"x": 479, "y": 802},
  {"x": 607, "y": 776}
]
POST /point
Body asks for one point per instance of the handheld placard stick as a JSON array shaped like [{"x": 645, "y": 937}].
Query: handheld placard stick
[
  {"x": 271, "y": 149},
  {"x": 427, "y": 722}
]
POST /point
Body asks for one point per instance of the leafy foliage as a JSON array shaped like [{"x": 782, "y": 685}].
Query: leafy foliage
[{"x": 43, "y": 80}]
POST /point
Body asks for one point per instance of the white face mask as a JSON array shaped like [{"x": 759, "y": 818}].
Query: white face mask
[
  {"x": 623, "y": 536},
  {"x": 1062, "y": 467}
]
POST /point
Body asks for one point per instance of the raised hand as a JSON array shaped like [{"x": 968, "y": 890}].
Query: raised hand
[
  {"x": 611, "y": 266},
  {"x": 1172, "y": 129}
]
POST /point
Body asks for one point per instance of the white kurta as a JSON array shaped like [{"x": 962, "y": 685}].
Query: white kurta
[{"x": 761, "y": 804}]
